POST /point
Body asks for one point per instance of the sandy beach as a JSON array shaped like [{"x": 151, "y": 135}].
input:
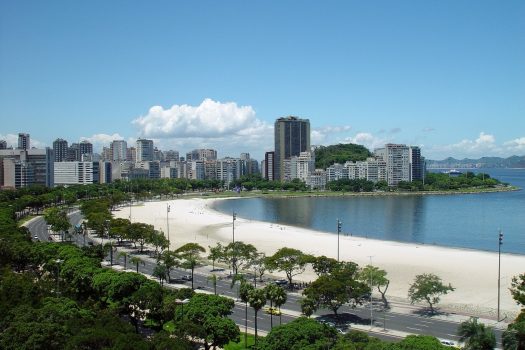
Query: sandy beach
[{"x": 473, "y": 273}]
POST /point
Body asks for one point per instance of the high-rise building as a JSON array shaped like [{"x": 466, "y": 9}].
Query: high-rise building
[
  {"x": 131, "y": 154},
  {"x": 397, "y": 162},
  {"x": 60, "y": 149},
  {"x": 417, "y": 164},
  {"x": 3, "y": 144},
  {"x": 171, "y": 155},
  {"x": 292, "y": 136},
  {"x": 269, "y": 166},
  {"x": 73, "y": 153},
  {"x": 24, "y": 141},
  {"x": 85, "y": 147},
  {"x": 201, "y": 154},
  {"x": 119, "y": 150},
  {"x": 145, "y": 150}
]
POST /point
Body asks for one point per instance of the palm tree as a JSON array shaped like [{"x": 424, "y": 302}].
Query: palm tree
[
  {"x": 244, "y": 295},
  {"x": 476, "y": 336},
  {"x": 271, "y": 294},
  {"x": 279, "y": 300},
  {"x": 125, "y": 256},
  {"x": 136, "y": 260},
  {"x": 213, "y": 278},
  {"x": 257, "y": 299}
]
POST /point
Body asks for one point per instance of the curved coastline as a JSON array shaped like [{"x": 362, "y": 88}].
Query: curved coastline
[{"x": 472, "y": 272}]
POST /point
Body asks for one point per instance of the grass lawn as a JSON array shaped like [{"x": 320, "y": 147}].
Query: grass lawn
[
  {"x": 240, "y": 345},
  {"x": 25, "y": 219}
]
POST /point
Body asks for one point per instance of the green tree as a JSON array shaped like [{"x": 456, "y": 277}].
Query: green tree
[
  {"x": 419, "y": 342},
  {"x": 308, "y": 306},
  {"x": 376, "y": 278},
  {"x": 301, "y": 333},
  {"x": 476, "y": 336},
  {"x": 190, "y": 253},
  {"x": 323, "y": 265},
  {"x": 339, "y": 287},
  {"x": 58, "y": 220},
  {"x": 514, "y": 336},
  {"x": 170, "y": 260},
  {"x": 238, "y": 255},
  {"x": 518, "y": 289},
  {"x": 290, "y": 261},
  {"x": 428, "y": 287},
  {"x": 216, "y": 254},
  {"x": 257, "y": 299},
  {"x": 204, "y": 312}
]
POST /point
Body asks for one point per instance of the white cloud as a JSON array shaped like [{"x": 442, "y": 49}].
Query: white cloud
[
  {"x": 210, "y": 119},
  {"x": 428, "y": 129},
  {"x": 516, "y": 145},
  {"x": 12, "y": 141},
  {"x": 368, "y": 140},
  {"x": 319, "y": 136}
]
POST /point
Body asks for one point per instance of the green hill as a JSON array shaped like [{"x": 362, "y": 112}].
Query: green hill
[{"x": 328, "y": 155}]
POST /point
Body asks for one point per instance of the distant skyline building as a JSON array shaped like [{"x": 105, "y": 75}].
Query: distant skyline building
[
  {"x": 3, "y": 144},
  {"x": 397, "y": 158},
  {"x": 145, "y": 150},
  {"x": 85, "y": 147},
  {"x": 60, "y": 149},
  {"x": 201, "y": 154},
  {"x": 269, "y": 166},
  {"x": 118, "y": 150},
  {"x": 24, "y": 141},
  {"x": 292, "y": 136}
]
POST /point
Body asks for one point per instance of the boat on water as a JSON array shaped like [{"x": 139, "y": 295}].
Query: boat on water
[{"x": 453, "y": 172}]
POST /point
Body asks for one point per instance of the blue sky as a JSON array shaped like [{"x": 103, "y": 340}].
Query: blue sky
[{"x": 448, "y": 76}]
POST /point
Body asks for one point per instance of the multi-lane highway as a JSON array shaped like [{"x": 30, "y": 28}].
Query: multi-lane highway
[{"x": 388, "y": 325}]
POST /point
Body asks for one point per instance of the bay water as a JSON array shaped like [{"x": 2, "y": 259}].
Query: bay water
[{"x": 455, "y": 220}]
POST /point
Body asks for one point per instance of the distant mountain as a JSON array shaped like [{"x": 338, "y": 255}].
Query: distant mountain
[
  {"x": 484, "y": 162},
  {"x": 328, "y": 155}
]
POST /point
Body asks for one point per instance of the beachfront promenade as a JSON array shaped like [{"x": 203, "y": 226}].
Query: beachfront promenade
[{"x": 402, "y": 319}]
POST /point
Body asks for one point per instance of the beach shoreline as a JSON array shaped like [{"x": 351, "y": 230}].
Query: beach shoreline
[{"x": 194, "y": 220}]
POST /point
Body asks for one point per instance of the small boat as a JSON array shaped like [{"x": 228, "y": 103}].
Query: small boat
[{"x": 453, "y": 172}]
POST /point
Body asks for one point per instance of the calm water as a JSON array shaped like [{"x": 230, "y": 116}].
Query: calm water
[{"x": 469, "y": 221}]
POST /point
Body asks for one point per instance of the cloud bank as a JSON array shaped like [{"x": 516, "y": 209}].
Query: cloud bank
[{"x": 210, "y": 119}]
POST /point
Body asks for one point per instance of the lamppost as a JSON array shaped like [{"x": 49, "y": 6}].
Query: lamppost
[
  {"x": 181, "y": 303},
  {"x": 371, "y": 309},
  {"x": 168, "y": 224},
  {"x": 234, "y": 217},
  {"x": 499, "y": 268},
  {"x": 339, "y": 224}
]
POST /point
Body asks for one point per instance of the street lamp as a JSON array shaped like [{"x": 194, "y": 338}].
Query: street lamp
[
  {"x": 499, "y": 268},
  {"x": 168, "y": 224},
  {"x": 339, "y": 224},
  {"x": 234, "y": 217},
  {"x": 371, "y": 309},
  {"x": 181, "y": 303}
]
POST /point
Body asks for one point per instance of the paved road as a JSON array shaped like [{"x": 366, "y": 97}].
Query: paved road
[{"x": 387, "y": 326}]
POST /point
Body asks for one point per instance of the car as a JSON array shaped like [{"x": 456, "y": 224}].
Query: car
[
  {"x": 272, "y": 311},
  {"x": 186, "y": 278},
  {"x": 35, "y": 237},
  {"x": 449, "y": 343},
  {"x": 281, "y": 282}
]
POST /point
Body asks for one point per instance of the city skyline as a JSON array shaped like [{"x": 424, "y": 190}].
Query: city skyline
[{"x": 448, "y": 77}]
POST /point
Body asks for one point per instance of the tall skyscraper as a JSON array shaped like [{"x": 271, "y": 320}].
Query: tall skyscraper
[
  {"x": 292, "y": 136},
  {"x": 3, "y": 144},
  {"x": 24, "y": 141},
  {"x": 60, "y": 149},
  {"x": 145, "y": 150},
  {"x": 417, "y": 164}
]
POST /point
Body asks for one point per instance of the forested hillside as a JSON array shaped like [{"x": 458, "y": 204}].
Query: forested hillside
[{"x": 328, "y": 155}]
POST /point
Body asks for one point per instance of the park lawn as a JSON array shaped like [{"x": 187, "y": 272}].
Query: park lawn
[{"x": 240, "y": 345}]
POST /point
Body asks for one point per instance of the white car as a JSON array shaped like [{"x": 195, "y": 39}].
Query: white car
[{"x": 447, "y": 342}]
